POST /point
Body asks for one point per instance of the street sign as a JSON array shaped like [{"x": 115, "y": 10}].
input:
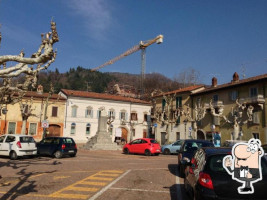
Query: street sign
[
  {"x": 190, "y": 128},
  {"x": 45, "y": 124},
  {"x": 155, "y": 125}
]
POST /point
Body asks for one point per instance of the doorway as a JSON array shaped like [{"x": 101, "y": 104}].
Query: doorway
[
  {"x": 124, "y": 134},
  {"x": 54, "y": 130},
  {"x": 163, "y": 138},
  {"x": 200, "y": 135}
]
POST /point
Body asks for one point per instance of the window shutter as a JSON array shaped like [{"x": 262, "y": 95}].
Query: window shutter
[
  {"x": 85, "y": 115},
  {"x": 119, "y": 115},
  {"x": 92, "y": 113},
  {"x": 126, "y": 116},
  {"x": 256, "y": 118}
]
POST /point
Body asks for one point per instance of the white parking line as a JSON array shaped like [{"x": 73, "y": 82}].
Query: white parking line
[
  {"x": 108, "y": 186},
  {"x": 129, "y": 189}
]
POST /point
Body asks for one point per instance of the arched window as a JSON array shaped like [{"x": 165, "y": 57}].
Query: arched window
[
  {"x": 73, "y": 129},
  {"x": 88, "y": 129}
]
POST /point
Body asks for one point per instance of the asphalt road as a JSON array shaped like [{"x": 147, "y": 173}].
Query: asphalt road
[{"x": 92, "y": 175}]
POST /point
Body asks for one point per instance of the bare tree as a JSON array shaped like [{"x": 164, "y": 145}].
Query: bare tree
[
  {"x": 27, "y": 66},
  {"x": 188, "y": 76}
]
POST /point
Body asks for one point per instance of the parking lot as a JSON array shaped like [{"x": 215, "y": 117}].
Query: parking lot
[{"x": 92, "y": 175}]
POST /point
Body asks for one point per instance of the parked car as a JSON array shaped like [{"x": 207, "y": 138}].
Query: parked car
[
  {"x": 264, "y": 146},
  {"x": 146, "y": 146},
  {"x": 187, "y": 151},
  {"x": 16, "y": 145},
  {"x": 206, "y": 179},
  {"x": 172, "y": 148},
  {"x": 57, "y": 147},
  {"x": 230, "y": 143}
]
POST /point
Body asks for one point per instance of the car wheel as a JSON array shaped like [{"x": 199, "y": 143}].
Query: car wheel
[
  {"x": 126, "y": 151},
  {"x": 58, "y": 154},
  {"x": 166, "y": 152},
  {"x": 147, "y": 152},
  {"x": 13, "y": 155}
]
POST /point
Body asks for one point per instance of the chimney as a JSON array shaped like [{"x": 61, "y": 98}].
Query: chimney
[
  {"x": 235, "y": 77},
  {"x": 214, "y": 82}
]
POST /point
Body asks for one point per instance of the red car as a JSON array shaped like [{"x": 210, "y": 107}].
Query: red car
[{"x": 145, "y": 146}]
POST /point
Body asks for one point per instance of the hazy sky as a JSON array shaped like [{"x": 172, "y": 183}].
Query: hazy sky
[{"x": 215, "y": 37}]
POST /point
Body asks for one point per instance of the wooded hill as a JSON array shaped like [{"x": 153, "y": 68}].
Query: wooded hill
[{"x": 86, "y": 80}]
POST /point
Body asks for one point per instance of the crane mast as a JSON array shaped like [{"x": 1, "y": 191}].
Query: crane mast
[{"x": 141, "y": 46}]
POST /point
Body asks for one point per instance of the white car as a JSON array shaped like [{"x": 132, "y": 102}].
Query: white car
[{"x": 15, "y": 145}]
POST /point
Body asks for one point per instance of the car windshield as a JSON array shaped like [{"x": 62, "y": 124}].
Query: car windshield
[
  {"x": 67, "y": 141},
  {"x": 193, "y": 146},
  {"x": 26, "y": 139},
  {"x": 215, "y": 164},
  {"x": 154, "y": 141}
]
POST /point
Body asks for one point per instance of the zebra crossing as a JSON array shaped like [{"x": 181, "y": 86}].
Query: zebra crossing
[{"x": 88, "y": 186}]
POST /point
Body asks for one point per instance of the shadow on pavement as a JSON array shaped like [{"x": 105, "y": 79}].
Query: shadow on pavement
[
  {"x": 177, "y": 191},
  {"x": 23, "y": 184}
]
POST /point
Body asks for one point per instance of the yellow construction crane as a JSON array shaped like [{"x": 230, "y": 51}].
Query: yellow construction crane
[{"x": 141, "y": 46}]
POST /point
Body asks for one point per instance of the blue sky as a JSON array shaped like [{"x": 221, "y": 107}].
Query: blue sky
[{"x": 215, "y": 37}]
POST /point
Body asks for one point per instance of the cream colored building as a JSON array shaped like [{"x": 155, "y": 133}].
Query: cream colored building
[{"x": 129, "y": 117}]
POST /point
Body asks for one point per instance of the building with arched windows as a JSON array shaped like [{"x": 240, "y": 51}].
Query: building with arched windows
[{"x": 128, "y": 118}]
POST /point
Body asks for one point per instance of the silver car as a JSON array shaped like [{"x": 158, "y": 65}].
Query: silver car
[{"x": 16, "y": 145}]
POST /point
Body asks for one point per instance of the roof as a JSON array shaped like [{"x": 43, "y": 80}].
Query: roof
[
  {"x": 94, "y": 95},
  {"x": 182, "y": 90},
  {"x": 233, "y": 83},
  {"x": 43, "y": 95}
]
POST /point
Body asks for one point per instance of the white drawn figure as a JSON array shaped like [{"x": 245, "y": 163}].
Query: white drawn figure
[{"x": 245, "y": 164}]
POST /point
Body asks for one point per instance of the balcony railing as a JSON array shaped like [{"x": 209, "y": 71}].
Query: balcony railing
[{"x": 259, "y": 99}]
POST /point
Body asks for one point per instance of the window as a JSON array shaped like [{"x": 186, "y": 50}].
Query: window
[
  {"x": 134, "y": 116},
  {"x": 253, "y": 92},
  {"x": 111, "y": 113},
  {"x": 11, "y": 127},
  {"x": 89, "y": 112},
  {"x": 215, "y": 97},
  {"x": 33, "y": 128},
  {"x": 145, "y": 117},
  {"x": 10, "y": 138},
  {"x": 88, "y": 128},
  {"x": 233, "y": 95},
  {"x": 74, "y": 111},
  {"x": 98, "y": 114},
  {"x": 133, "y": 131},
  {"x": 256, "y": 135},
  {"x": 2, "y": 139},
  {"x": 73, "y": 129},
  {"x": 123, "y": 115},
  {"x": 163, "y": 104},
  {"x": 178, "y": 102},
  {"x": 54, "y": 111}
]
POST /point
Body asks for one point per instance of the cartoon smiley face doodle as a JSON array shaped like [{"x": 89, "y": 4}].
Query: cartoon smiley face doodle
[{"x": 245, "y": 164}]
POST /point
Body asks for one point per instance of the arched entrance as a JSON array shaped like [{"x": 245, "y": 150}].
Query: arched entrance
[
  {"x": 54, "y": 130},
  {"x": 200, "y": 135},
  {"x": 124, "y": 134}
]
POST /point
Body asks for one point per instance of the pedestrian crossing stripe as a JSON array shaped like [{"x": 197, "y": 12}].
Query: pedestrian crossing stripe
[{"x": 97, "y": 180}]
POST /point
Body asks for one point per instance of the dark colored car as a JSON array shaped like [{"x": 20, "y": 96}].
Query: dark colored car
[
  {"x": 206, "y": 179},
  {"x": 57, "y": 147},
  {"x": 264, "y": 146},
  {"x": 187, "y": 151},
  {"x": 146, "y": 146}
]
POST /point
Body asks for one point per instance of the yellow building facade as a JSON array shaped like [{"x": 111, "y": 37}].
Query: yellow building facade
[
  {"x": 40, "y": 105},
  {"x": 240, "y": 107}
]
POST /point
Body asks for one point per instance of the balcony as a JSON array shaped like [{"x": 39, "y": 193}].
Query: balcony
[{"x": 259, "y": 99}]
